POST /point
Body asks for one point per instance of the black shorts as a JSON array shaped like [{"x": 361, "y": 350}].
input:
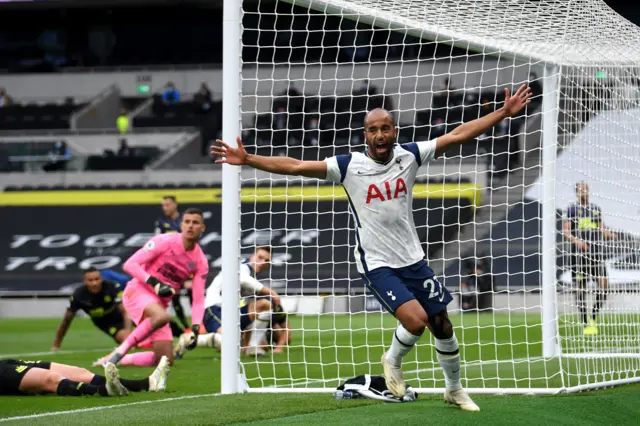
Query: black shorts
[
  {"x": 13, "y": 370},
  {"x": 110, "y": 328},
  {"x": 585, "y": 266}
]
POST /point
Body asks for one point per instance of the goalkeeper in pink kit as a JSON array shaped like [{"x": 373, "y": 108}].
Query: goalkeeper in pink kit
[{"x": 158, "y": 270}]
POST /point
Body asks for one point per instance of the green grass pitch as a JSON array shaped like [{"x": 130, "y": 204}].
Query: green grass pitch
[{"x": 324, "y": 348}]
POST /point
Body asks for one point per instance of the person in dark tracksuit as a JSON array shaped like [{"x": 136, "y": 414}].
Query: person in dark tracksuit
[{"x": 584, "y": 228}]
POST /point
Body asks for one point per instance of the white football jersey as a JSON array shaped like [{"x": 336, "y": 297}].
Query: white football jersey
[
  {"x": 381, "y": 200},
  {"x": 248, "y": 283}
]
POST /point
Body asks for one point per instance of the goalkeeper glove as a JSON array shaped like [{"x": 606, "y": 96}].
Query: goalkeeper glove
[
  {"x": 195, "y": 328},
  {"x": 161, "y": 289}
]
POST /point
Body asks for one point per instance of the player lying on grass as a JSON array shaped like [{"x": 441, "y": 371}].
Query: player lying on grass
[
  {"x": 379, "y": 186},
  {"x": 102, "y": 301},
  {"x": 19, "y": 377},
  {"x": 584, "y": 229},
  {"x": 159, "y": 269},
  {"x": 255, "y": 315}
]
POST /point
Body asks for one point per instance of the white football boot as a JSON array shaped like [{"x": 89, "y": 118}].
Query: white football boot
[
  {"x": 393, "y": 377},
  {"x": 461, "y": 399},
  {"x": 158, "y": 379}
]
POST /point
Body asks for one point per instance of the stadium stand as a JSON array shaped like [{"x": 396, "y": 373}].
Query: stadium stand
[
  {"x": 308, "y": 121},
  {"x": 38, "y": 114},
  {"x": 189, "y": 111},
  {"x": 91, "y": 150}
]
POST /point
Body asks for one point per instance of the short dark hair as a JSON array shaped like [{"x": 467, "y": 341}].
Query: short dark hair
[
  {"x": 89, "y": 270},
  {"x": 193, "y": 210},
  {"x": 579, "y": 184},
  {"x": 170, "y": 197},
  {"x": 265, "y": 248}
]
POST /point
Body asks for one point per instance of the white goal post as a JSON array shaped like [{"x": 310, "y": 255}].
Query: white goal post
[{"x": 297, "y": 77}]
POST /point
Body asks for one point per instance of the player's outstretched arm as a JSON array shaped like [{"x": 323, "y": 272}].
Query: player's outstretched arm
[
  {"x": 280, "y": 165},
  {"x": 62, "y": 329},
  {"x": 468, "y": 131}
]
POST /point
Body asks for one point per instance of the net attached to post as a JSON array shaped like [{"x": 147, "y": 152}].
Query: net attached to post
[{"x": 311, "y": 70}]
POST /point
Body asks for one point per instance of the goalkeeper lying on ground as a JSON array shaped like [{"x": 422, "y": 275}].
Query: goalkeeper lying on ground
[{"x": 19, "y": 377}]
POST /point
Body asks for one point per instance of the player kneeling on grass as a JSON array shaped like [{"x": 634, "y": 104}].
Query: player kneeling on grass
[
  {"x": 102, "y": 301},
  {"x": 19, "y": 377},
  {"x": 159, "y": 269},
  {"x": 279, "y": 334},
  {"x": 255, "y": 314},
  {"x": 379, "y": 184}
]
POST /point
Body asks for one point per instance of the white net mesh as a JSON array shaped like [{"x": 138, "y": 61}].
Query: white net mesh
[
  {"x": 311, "y": 71},
  {"x": 599, "y": 309}
]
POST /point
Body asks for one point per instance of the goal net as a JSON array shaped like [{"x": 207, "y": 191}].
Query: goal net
[{"x": 490, "y": 213}]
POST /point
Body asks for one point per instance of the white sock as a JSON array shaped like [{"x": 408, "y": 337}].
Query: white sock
[
  {"x": 402, "y": 343},
  {"x": 210, "y": 340},
  {"x": 449, "y": 358},
  {"x": 258, "y": 332}
]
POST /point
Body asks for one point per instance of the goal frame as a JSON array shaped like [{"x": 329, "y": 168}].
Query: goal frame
[{"x": 232, "y": 378}]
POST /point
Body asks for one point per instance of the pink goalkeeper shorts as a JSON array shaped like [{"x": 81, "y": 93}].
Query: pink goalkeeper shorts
[{"x": 135, "y": 299}]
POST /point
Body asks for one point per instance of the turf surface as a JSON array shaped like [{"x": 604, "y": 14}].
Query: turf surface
[{"x": 490, "y": 344}]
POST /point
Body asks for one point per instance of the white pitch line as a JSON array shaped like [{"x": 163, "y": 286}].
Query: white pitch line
[
  {"x": 62, "y": 352},
  {"x": 104, "y": 407}
]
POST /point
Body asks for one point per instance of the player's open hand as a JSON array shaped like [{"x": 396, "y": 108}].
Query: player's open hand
[
  {"x": 55, "y": 348},
  {"x": 514, "y": 103},
  {"x": 582, "y": 246},
  {"x": 228, "y": 154}
]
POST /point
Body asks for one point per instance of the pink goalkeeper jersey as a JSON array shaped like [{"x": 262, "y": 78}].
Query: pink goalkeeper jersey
[{"x": 165, "y": 258}]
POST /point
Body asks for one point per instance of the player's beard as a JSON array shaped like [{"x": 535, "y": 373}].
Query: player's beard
[{"x": 386, "y": 155}]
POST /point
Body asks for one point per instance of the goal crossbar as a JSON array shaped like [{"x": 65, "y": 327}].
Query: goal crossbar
[{"x": 558, "y": 43}]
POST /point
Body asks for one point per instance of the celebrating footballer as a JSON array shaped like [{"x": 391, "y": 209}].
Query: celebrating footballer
[{"x": 389, "y": 257}]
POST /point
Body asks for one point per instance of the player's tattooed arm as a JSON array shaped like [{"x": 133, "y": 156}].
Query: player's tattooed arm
[
  {"x": 62, "y": 329},
  {"x": 472, "y": 129},
  {"x": 275, "y": 297},
  {"x": 238, "y": 156}
]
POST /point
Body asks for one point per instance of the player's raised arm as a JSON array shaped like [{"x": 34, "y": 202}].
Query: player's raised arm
[
  {"x": 280, "y": 165},
  {"x": 468, "y": 131}
]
